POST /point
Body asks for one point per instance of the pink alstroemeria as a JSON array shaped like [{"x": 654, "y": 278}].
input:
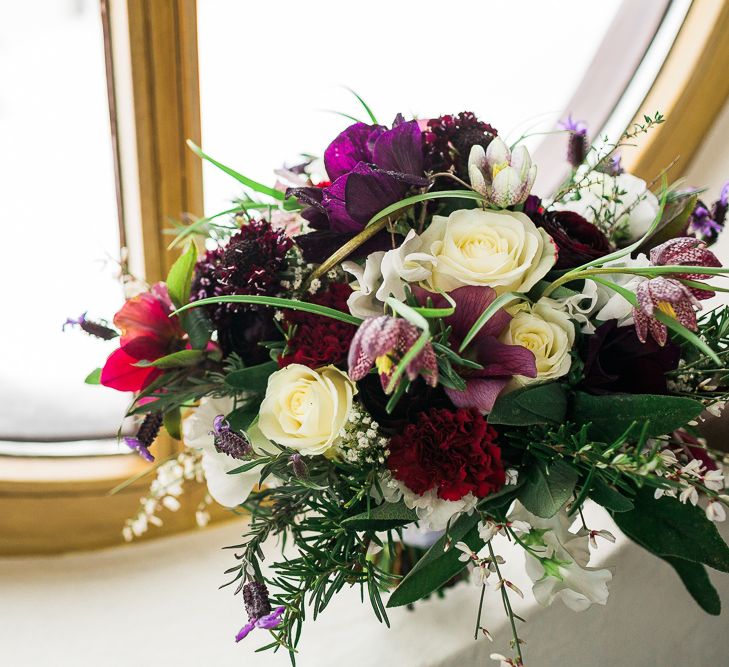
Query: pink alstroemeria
[
  {"x": 671, "y": 298},
  {"x": 500, "y": 361},
  {"x": 382, "y": 341},
  {"x": 686, "y": 251},
  {"x": 147, "y": 333}
]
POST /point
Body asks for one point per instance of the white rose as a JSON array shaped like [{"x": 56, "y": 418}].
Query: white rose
[
  {"x": 624, "y": 200},
  {"x": 549, "y": 333},
  {"x": 306, "y": 409},
  {"x": 228, "y": 490},
  {"x": 499, "y": 249}
]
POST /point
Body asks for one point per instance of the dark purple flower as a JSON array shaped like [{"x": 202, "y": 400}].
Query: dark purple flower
[
  {"x": 382, "y": 342},
  {"x": 370, "y": 167},
  {"x": 707, "y": 224},
  {"x": 499, "y": 361},
  {"x": 578, "y": 241},
  {"x": 146, "y": 435},
  {"x": 670, "y": 297},
  {"x": 258, "y": 607},
  {"x": 577, "y": 144},
  {"x": 91, "y": 327},
  {"x": 298, "y": 466},
  {"x": 617, "y": 361},
  {"x": 227, "y": 441},
  {"x": 686, "y": 251}
]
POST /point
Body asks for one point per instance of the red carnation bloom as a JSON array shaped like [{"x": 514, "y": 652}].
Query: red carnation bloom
[
  {"x": 454, "y": 451},
  {"x": 318, "y": 340}
]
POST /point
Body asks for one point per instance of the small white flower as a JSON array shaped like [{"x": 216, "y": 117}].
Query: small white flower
[
  {"x": 480, "y": 574},
  {"x": 716, "y": 408},
  {"x": 466, "y": 553},
  {"x": 689, "y": 494},
  {"x": 606, "y": 535},
  {"x": 692, "y": 468},
  {"x": 715, "y": 511},
  {"x": 171, "y": 503},
  {"x": 512, "y": 476},
  {"x": 714, "y": 480}
]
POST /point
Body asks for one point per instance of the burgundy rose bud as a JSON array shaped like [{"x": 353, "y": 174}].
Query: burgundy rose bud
[{"x": 578, "y": 241}]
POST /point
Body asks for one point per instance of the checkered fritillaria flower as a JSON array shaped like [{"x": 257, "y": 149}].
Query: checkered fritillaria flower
[
  {"x": 686, "y": 251},
  {"x": 671, "y": 298}
]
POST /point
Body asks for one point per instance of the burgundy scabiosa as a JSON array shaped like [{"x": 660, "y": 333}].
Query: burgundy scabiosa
[
  {"x": 382, "y": 342},
  {"x": 452, "y": 451},
  {"x": 671, "y": 298},
  {"x": 318, "y": 340},
  {"x": 258, "y": 608},
  {"x": 249, "y": 264},
  {"x": 686, "y": 251},
  {"x": 449, "y": 139}
]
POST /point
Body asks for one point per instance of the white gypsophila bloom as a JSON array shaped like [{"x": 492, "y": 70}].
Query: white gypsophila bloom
[
  {"x": 228, "y": 490},
  {"x": 622, "y": 202},
  {"x": 566, "y": 575},
  {"x": 386, "y": 274},
  {"x": 433, "y": 512}
]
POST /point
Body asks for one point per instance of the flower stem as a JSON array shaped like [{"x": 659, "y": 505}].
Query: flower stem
[
  {"x": 507, "y": 607},
  {"x": 480, "y": 609}
]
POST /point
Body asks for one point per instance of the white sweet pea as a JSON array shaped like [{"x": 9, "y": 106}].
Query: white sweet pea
[
  {"x": 548, "y": 333},
  {"x": 579, "y": 306},
  {"x": 624, "y": 200},
  {"x": 504, "y": 177},
  {"x": 566, "y": 576},
  {"x": 609, "y": 304},
  {"x": 386, "y": 274},
  {"x": 228, "y": 490},
  {"x": 499, "y": 249}
]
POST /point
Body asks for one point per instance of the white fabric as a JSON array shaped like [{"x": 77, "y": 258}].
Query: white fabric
[{"x": 158, "y": 603}]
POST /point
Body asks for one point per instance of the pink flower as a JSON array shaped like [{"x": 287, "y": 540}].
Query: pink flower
[
  {"x": 671, "y": 298},
  {"x": 686, "y": 251},
  {"x": 383, "y": 341},
  {"x": 500, "y": 361},
  {"x": 147, "y": 333}
]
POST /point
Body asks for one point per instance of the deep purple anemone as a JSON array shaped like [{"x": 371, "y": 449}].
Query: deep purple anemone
[{"x": 370, "y": 168}]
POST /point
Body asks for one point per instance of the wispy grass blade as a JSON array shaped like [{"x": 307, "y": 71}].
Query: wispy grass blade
[
  {"x": 364, "y": 104},
  {"x": 491, "y": 310}
]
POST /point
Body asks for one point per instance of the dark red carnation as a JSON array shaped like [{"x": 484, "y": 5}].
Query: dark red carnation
[
  {"x": 453, "y": 451},
  {"x": 318, "y": 340},
  {"x": 578, "y": 241}
]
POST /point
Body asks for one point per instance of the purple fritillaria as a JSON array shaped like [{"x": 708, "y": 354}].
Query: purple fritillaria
[
  {"x": 687, "y": 251},
  {"x": 670, "y": 297}
]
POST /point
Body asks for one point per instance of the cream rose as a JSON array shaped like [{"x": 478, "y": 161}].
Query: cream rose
[
  {"x": 499, "y": 249},
  {"x": 549, "y": 333},
  {"x": 306, "y": 409}
]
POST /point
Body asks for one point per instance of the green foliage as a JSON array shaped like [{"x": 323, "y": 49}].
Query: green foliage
[
  {"x": 548, "y": 487},
  {"x": 172, "y": 423},
  {"x": 241, "y": 419},
  {"x": 179, "y": 278},
  {"x": 180, "y": 359},
  {"x": 253, "y": 379},
  {"x": 382, "y": 517},
  {"x": 610, "y": 415},
  {"x": 540, "y": 404},
  {"x": 491, "y": 310},
  {"x": 609, "y": 497},
  {"x": 94, "y": 377},
  {"x": 696, "y": 580}
]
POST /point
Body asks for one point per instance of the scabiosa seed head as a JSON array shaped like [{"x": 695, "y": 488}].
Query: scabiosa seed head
[
  {"x": 91, "y": 327},
  {"x": 227, "y": 441},
  {"x": 146, "y": 435}
]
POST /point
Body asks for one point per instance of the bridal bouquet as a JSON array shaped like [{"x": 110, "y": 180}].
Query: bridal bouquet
[{"x": 400, "y": 355}]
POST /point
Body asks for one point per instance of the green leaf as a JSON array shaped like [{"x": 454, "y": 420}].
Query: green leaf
[
  {"x": 538, "y": 404},
  {"x": 94, "y": 377},
  {"x": 611, "y": 415},
  {"x": 253, "y": 379},
  {"x": 487, "y": 314},
  {"x": 364, "y": 106},
  {"x": 248, "y": 182},
  {"x": 668, "y": 527},
  {"x": 172, "y": 423},
  {"x": 609, "y": 498},
  {"x": 276, "y": 302},
  {"x": 241, "y": 419},
  {"x": 672, "y": 223},
  {"x": 198, "y": 326},
  {"x": 437, "y": 566},
  {"x": 382, "y": 517},
  {"x": 179, "y": 278},
  {"x": 696, "y": 580},
  {"x": 180, "y": 359},
  {"x": 548, "y": 487}
]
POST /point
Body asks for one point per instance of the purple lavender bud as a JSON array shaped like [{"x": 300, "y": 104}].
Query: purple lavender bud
[
  {"x": 146, "y": 435},
  {"x": 96, "y": 329},
  {"x": 255, "y": 598},
  {"x": 719, "y": 210},
  {"x": 577, "y": 143},
  {"x": 227, "y": 441},
  {"x": 298, "y": 466}
]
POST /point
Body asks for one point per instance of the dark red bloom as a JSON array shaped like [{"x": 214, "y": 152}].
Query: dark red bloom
[
  {"x": 448, "y": 141},
  {"x": 318, "y": 340},
  {"x": 578, "y": 241},
  {"x": 453, "y": 451},
  {"x": 616, "y": 361}
]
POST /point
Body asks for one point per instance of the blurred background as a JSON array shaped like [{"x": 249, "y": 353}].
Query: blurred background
[{"x": 97, "y": 99}]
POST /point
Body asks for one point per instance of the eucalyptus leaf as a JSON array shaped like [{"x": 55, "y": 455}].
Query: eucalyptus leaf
[
  {"x": 548, "y": 487},
  {"x": 540, "y": 404}
]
